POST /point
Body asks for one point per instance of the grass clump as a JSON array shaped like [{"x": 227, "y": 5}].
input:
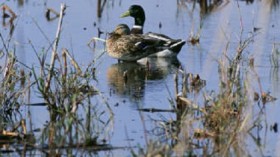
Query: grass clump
[
  {"x": 216, "y": 123},
  {"x": 70, "y": 85},
  {"x": 223, "y": 120},
  {"x": 14, "y": 85},
  {"x": 66, "y": 85}
]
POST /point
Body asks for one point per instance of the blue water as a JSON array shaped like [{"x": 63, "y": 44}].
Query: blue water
[{"x": 156, "y": 89}]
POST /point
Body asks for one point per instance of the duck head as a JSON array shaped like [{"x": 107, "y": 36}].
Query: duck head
[
  {"x": 121, "y": 29},
  {"x": 137, "y": 12}
]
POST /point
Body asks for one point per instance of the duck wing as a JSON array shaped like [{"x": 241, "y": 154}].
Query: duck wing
[
  {"x": 134, "y": 46},
  {"x": 174, "y": 45}
]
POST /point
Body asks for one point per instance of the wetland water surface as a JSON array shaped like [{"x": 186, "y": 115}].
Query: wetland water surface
[{"x": 118, "y": 114}]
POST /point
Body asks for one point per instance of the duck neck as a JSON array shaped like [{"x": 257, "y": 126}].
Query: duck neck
[
  {"x": 136, "y": 30},
  {"x": 139, "y": 21}
]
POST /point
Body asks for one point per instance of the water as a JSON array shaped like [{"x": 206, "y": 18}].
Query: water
[{"x": 155, "y": 88}]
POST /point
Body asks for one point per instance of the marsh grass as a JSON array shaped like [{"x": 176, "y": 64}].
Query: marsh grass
[
  {"x": 14, "y": 89},
  {"x": 70, "y": 85},
  {"x": 219, "y": 122},
  {"x": 14, "y": 85},
  {"x": 67, "y": 88},
  {"x": 71, "y": 88},
  {"x": 72, "y": 135},
  {"x": 62, "y": 83},
  {"x": 76, "y": 122}
]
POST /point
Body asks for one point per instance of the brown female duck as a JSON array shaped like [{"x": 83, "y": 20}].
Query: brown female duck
[{"x": 125, "y": 46}]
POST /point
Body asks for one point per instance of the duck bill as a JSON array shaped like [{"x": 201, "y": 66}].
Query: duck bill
[
  {"x": 125, "y": 14},
  {"x": 110, "y": 33}
]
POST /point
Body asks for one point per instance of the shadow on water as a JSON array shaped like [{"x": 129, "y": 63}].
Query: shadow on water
[{"x": 128, "y": 79}]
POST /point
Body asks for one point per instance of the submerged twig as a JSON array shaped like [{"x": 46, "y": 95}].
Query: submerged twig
[
  {"x": 48, "y": 14},
  {"x": 155, "y": 110},
  {"x": 5, "y": 15}
]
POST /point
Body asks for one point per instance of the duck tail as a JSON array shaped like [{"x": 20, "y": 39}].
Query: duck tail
[{"x": 176, "y": 47}]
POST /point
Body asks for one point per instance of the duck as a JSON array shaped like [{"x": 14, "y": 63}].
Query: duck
[
  {"x": 138, "y": 13},
  {"x": 125, "y": 46}
]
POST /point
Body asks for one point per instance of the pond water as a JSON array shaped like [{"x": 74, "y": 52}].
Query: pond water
[{"x": 155, "y": 87}]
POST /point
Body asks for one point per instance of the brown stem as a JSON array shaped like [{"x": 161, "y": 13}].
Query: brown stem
[{"x": 54, "y": 52}]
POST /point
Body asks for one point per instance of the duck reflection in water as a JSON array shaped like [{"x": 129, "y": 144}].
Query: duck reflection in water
[{"x": 127, "y": 79}]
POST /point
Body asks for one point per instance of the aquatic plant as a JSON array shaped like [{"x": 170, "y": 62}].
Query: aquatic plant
[
  {"x": 65, "y": 86},
  {"x": 218, "y": 123},
  {"x": 67, "y": 91}
]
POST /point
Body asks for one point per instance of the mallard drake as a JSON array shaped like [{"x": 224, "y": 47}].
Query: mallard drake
[
  {"x": 131, "y": 47},
  {"x": 137, "y": 12}
]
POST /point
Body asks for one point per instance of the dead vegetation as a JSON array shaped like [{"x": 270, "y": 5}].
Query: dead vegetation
[
  {"x": 219, "y": 122},
  {"x": 65, "y": 88}
]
